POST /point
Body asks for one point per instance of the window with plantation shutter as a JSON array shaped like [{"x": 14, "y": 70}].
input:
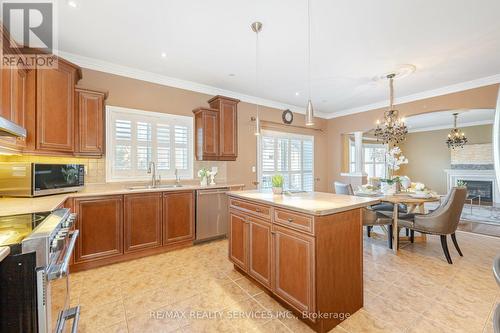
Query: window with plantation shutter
[
  {"x": 290, "y": 155},
  {"x": 134, "y": 138}
]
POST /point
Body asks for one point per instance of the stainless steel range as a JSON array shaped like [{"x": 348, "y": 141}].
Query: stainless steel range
[{"x": 41, "y": 248}]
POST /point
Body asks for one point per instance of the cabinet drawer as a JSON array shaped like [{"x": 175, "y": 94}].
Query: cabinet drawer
[
  {"x": 256, "y": 209},
  {"x": 294, "y": 220}
]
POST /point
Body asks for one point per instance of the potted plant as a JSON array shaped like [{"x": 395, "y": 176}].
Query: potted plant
[
  {"x": 394, "y": 159},
  {"x": 203, "y": 174},
  {"x": 277, "y": 181}
]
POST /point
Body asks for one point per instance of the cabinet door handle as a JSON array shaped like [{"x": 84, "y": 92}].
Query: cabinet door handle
[{"x": 290, "y": 220}]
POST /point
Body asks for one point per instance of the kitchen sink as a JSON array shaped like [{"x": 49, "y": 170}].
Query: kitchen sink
[{"x": 150, "y": 187}]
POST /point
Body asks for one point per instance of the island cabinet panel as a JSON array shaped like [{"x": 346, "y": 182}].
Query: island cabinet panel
[
  {"x": 142, "y": 221},
  {"x": 238, "y": 240},
  {"x": 89, "y": 133},
  {"x": 178, "y": 217},
  {"x": 100, "y": 221},
  {"x": 293, "y": 255},
  {"x": 313, "y": 264},
  {"x": 55, "y": 108},
  {"x": 259, "y": 263}
]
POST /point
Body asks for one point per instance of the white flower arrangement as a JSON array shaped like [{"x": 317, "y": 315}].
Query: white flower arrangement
[
  {"x": 419, "y": 186},
  {"x": 395, "y": 159}
]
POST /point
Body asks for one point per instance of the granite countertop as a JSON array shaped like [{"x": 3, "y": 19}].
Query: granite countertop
[
  {"x": 4, "y": 252},
  {"x": 315, "y": 203},
  {"x": 14, "y": 206}
]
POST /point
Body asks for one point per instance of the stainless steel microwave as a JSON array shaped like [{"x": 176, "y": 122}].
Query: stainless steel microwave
[{"x": 37, "y": 179}]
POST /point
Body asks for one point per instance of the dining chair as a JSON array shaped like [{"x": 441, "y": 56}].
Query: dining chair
[
  {"x": 370, "y": 216},
  {"x": 442, "y": 221}
]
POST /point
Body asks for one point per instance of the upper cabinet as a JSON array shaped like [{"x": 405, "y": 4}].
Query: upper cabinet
[
  {"x": 228, "y": 124},
  {"x": 55, "y": 107},
  {"x": 206, "y": 134},
  {"x": 89, "y": 114},
  {"x": 216, "y": 130},
  {"x": 13, "y": 99}
]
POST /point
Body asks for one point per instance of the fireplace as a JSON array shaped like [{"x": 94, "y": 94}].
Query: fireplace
[
  {"x": 479, "y": 188},
  {"x": 479, "y": 182}
]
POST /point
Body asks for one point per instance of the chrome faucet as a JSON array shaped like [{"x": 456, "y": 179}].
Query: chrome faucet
[
  {"x": 177, "y": 178},
  {"x": 152, "y": 171}
]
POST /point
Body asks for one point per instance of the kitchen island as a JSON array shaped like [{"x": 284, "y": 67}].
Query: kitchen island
[{"x": 306, "y": 249}]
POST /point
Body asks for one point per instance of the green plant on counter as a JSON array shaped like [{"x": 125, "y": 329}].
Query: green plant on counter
[
  {"x": 461, "y": 183},
  {"x": 277, "y": 181}
]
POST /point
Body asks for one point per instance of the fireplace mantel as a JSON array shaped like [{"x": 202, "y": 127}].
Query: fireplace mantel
[{"x": 453, "y": 175}]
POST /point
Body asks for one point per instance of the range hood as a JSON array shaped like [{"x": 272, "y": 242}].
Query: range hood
[{"x": 8, "y": 128}]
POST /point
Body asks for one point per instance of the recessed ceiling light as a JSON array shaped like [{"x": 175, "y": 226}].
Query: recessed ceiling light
[
  {"x": 73, "y": 3},
  {"x": 297, "y": 94},
  {"x": 163, "y": 55}
]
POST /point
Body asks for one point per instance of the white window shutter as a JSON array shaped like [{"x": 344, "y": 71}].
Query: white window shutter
[{"x": 135, "y": 138}]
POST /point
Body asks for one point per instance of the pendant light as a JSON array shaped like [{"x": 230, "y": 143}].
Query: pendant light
[
  {"x": 393, "y": 130},
  {"x": 257, "y": 27},
  {"x": 309, "y": 109},
  {"x": 456, "y": 138}
]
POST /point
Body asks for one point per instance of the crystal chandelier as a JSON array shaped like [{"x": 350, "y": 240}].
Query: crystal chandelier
[
  {"x": 393, "y": 130},
  {"x": 456, "y": 138}
]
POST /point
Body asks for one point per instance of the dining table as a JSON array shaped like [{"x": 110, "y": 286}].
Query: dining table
[{"x": 414, "y": 205}]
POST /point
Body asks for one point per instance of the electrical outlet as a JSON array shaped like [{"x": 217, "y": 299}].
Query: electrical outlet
[{"x": 253, "y": 169}]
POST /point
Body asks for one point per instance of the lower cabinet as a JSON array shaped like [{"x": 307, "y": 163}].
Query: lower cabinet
[
  {"x": 142, "y": 221},
  {"x": 279, "y": 258},
  {"x": 238, "y": 240},
  {"x": 116, "y": 228},
  {"x": 259, "y": 263},
  {"x": 100, "y": 221},
  {"x": 294, "y": 268},
  {"x": 178, "y": 217}
]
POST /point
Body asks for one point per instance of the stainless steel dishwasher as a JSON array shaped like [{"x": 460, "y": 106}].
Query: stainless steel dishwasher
[{"x": 211, "y": 214}]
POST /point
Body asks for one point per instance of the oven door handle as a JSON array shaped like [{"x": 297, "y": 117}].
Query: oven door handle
[
  {"x": 71, "y": 313},
  {"x": 60, "y": 270}
]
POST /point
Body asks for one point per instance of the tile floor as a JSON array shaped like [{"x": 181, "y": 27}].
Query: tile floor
[{"x": 416, "y": 291}]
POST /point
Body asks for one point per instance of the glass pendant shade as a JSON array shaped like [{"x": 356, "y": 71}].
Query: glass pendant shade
[
  {"x": 257, "y": 125},
  {"x": 309, "y": 114}
]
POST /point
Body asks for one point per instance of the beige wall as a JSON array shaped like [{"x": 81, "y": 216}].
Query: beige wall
[
  {"x": 479, "y": 98},
  {"x": 429, "y": 156},
  {"x": 130, "y": 93}
]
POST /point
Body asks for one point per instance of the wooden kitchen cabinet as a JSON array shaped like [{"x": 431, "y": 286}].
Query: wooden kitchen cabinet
[
  {"x": 259, "y": 259},
  {"x": 294, "y": 268},
  {"x": 100, "y": 221},
  {"x": 142, "y": 221},
  {"x": 206, "y": 134},
  {"x": 238, "y": 240},
  {"x": 13, "y": 85},
  {"x": 55, "y": 107},
  {"x": 228, "y": 126},
  {"x": 178, "y": 217},
  {"x": 89, "y": 115}
]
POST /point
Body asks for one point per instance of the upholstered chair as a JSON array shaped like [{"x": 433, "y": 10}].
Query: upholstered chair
[
  {"x": 442, "y": 221},
  {"x": 371, "y": 217}
]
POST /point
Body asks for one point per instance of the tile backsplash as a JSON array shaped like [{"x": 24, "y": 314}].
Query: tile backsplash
[{"x": 95, "y": 169}]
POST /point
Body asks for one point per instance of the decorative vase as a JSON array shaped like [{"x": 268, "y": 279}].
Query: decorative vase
[
  {"x": 277, "y": 190},
  {"x": 203, "y": 181}
]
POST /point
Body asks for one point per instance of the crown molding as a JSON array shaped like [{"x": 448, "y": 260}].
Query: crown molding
[
  {"x": 112, "y": 68},
  {"x": 450, "y": 126},
  {"x": 481, "y": 82}
]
